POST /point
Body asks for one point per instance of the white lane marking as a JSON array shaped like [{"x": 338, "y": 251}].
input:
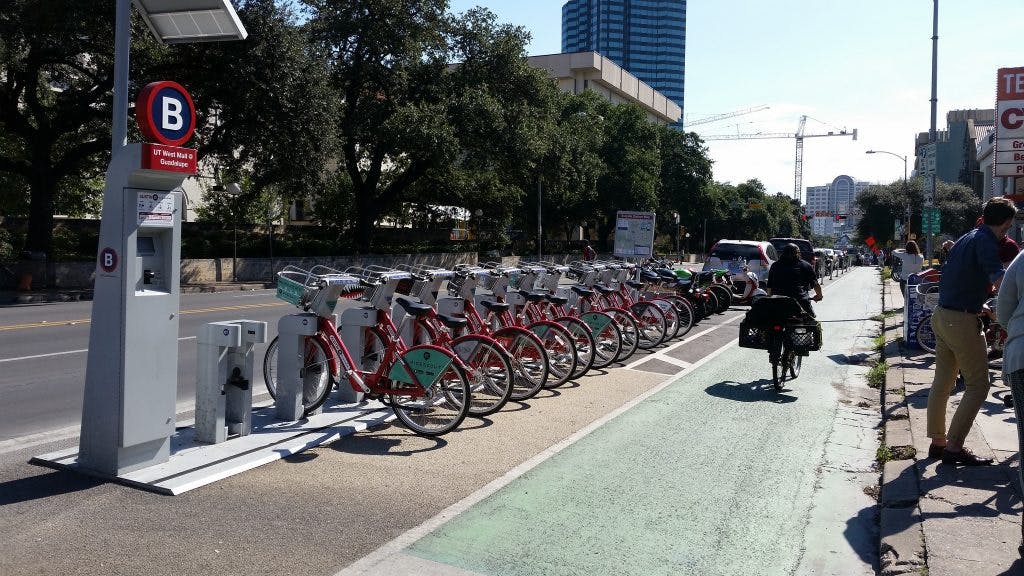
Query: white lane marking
[
  {"x": 404, "y": 540},
  {"x": 33, "y": 357}
]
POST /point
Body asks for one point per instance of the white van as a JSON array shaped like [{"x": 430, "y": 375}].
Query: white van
[{"x": 730, "y": 255}]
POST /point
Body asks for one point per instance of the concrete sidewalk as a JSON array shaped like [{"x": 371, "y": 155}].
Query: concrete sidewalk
[{"x": 939, "y": 519}]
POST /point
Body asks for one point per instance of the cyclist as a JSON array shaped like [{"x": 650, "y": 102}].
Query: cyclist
[{"x": 791, "y": 276}]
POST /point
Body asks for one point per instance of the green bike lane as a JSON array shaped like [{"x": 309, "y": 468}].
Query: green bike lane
[{"x": 713, "y": 473}]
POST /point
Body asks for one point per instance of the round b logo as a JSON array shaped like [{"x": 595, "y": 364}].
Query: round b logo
[
  {"x": 165, "y": 113},
  {"x": 108, "y": 260}
]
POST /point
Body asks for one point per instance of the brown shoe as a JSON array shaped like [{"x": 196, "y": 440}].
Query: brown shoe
[
  {"x": 964, "y": 457},
  {"x": 935, "y": 451}
]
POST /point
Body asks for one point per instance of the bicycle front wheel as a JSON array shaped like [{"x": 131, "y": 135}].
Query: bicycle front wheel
[
  {"x": 314, "y": 372},
  {"x": 651, "y": 321},
  {"x": 796, "y": 362},
  {"x": 724, "y": 296},
  {"x": 558, "y": 345},
  {"x": 584, "y": 342},
  {"x": 441, "y": 408},
  {"x": 925, "y": 334},
  {"x": 607, "y": 338},
  {"x": 489, "y": 371},
  {"x": 629, "y": 329},
  {"x": 529, "y": 361}
]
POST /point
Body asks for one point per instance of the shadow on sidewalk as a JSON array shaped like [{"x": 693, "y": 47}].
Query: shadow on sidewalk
[
  {"x": 387, "y": 444},
  {"x": 55, "y": 483},
  {"x": 757, "y": 391},
  {"x": 862, "y": 534}
]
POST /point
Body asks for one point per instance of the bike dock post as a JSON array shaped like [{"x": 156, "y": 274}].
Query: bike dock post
[
  {"x": 292, "y": 330},
  {"x": 224, "y": 387},
  {"x": 354, "y": 324}
]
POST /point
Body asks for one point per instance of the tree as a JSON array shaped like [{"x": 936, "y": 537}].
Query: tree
[
  {"x": 633, "y": 164},
  {"x": 259, "y": 103},
  {"x": 880, "y": 206},
  {"x": 406, "y": 114},
  {"x": 56, "y": 74},
  {"x": 685, "y": 172}
]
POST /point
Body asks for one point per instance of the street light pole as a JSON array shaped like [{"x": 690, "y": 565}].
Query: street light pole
[
  {"x": 929, "y": 193},
  {"x": 905, "y": 191},
  {"x": 540, "y": 229}
]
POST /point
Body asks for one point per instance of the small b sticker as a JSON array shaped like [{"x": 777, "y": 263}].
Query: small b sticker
[{"x": 108, "y": 260}]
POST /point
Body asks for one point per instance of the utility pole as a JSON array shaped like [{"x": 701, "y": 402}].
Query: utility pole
[{"x": 929, "y": 182}]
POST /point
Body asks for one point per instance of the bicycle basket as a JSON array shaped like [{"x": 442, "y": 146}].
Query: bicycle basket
[
  {"x": 455, "y": 284},
  {"x": 754, "y": 336},
  {"x": 804, "y": 337},
  {"x": 407, "y": 287},
  {"x": 290, "y": 290}
]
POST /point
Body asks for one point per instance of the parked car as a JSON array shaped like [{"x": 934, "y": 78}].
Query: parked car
[
  {"x": 806, "y": 250},
  {"x": 759, "y": 256}
]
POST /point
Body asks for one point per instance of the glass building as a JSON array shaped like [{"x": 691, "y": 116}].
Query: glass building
[{"x": 646, "y": 37}]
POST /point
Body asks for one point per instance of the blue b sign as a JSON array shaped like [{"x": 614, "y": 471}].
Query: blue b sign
[{"x": 165, "y": 113}]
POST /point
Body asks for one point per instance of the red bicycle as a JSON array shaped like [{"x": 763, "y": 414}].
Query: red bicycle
[{"x": 425, "y": 385}]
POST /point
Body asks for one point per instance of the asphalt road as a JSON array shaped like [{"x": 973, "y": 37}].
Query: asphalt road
[
  {"x": 714, "y": 473},
  {"x": 43, "y": 350}
]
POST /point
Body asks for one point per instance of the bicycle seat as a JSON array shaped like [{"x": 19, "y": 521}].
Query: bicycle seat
[
  {"x": 452, "y": 322},
  {"x": 582, "y": 290},
  {"x": 414, "y": 308},
  {"x": 532, "y": 296},
  {"x": 604, "y": 289},
  {"x": 634, "y": 284},
  {"x": 559, "y": 300},
  {"x": 496, "y": 307}
]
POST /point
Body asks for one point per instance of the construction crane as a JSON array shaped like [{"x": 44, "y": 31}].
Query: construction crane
[
  {"x": 799, "y": 135},
  {"x": 717, "y": 117}
]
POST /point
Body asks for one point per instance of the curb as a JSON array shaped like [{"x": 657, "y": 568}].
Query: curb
[{"x": 901, "y": 533}]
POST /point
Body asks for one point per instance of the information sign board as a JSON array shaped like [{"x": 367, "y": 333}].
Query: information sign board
[
  {"x": 1009, "y": 148},
  {"x": 634, "y": 234}
]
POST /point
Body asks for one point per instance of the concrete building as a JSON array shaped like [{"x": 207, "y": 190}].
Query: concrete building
[
  {"x": 592, "y": 71},
  {"x": 957, "y": 148},
  {"x": 646, "y": 37},
  {"x": 826, "y": 202}
]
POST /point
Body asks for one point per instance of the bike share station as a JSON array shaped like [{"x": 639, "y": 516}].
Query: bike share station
[{"x": 129, "y": 432}]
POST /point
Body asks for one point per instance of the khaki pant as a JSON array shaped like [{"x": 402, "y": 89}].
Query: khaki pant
[{"x": 959, "y": 346}]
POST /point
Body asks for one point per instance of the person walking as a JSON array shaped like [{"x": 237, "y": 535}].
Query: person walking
[
  {"x": 792, "y": 276},
  {"x": 588, "y": 252},
  {"x": 967, "y": 277},
  {"x": 1010, "y": 314}
]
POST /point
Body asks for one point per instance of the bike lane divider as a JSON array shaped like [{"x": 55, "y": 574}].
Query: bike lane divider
[{"x": 687, "y": 478}]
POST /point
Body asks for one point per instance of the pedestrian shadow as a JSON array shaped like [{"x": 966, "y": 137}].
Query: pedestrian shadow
[
  {"x": 998, "y": 481},
  {"x": 1015, "y": 569},
  {"x": 862, "y": 534},
  {"x": 55, "y": 483},
  {"x": 757, "y": 391}
]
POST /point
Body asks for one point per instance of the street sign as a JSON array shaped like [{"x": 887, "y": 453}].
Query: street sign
[
  {"x": 931, "y": 221},
  {"x": 929, "y": 189},
  {"x": 928, "y": 159},
  {"x": 1009, "y": 149}
]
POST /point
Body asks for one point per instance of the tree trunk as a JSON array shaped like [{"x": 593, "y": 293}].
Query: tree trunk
[
  {"x": 39, "y": 240},
  {"x": 366, "y": 213}
]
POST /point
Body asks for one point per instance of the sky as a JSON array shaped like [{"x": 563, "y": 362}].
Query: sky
[{"x": 846, "y": 64}]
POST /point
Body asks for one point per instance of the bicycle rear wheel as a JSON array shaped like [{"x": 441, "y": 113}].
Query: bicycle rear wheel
[
  {"x": 529, "y": 361},
  {"x": 441, "y": 408},
  {"x": 489, "y": 371},
  {"x": 795, "y": 363}
]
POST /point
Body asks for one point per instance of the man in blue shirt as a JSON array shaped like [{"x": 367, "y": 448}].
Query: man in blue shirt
[{"x": 970, "y": 271}]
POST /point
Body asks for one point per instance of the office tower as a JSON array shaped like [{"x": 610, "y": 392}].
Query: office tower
[{"x": 646, "y": 37}]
